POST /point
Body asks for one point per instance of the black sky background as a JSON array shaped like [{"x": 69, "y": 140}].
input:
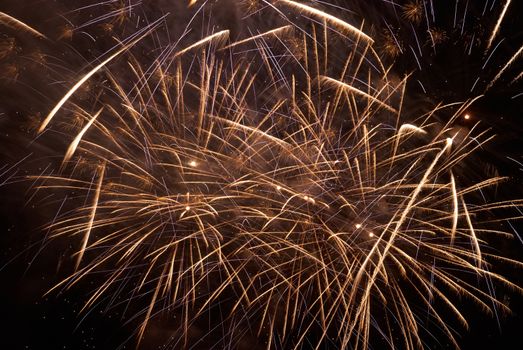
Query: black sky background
[{"x": 28, "y": 267}]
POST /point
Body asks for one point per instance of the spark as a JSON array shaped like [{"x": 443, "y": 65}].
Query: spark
[
  {"x": 219, "y": 36},
  {"x": 75, "y": 87},
  {"x": 498, "y": 24},
  {"x": 275, "y": 32},
  {"x": 89, "y": 226},
  {"x": 505, "y": 67},
  {"x": 330, "y": 18},
  {"x": 410, "y": 128},
  {"x": 455, "y": 213},
  {"x": 351, "y": 88},
  {"x": 17, "y": 24},
  {"x": 78, "y": 138},
  {"x": 86, "y": 77}
]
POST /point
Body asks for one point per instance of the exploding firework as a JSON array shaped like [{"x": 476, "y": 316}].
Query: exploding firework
[{"x": 268, "y": 184}]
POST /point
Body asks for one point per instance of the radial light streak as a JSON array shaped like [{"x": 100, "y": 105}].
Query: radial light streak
[
  {"x": 455, "y": 205},
  {"x": 505, "y": 67},
  {"x": 330, "y": 18},
  {"x": 351, "y": 88},
  {"x": 254, "y": 37},
  {"x": 17, "y": 24},
  {"x": 498, "y": 24},
  {"x": 92, "y": 215},
  {"x": 86, "y": 77},
  {"x": 219, "y": 36},
  {"x": 78, "y": 138}
]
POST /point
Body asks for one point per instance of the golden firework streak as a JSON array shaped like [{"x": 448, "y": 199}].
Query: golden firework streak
[
  {"x": 498, "y": 24},
  {"x": 348, "y": 87},
  {"x": 89, "y": 227},
  {"x": 78, "y": 138},
  {"x": 505, "y": 67},
  {"x": 330, "y": 18},
  {"x": 91, "y": 73},
  {"x": 17, "y": 24}
]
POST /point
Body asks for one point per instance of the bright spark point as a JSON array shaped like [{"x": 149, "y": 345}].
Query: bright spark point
[
  {"x": 193, "y": 163},
  {"x": 358, "y": 226},
  {"x": 371, "y": 234},
  {"x": 187, "y": 208},
  {"x": 467, "y": 116}
]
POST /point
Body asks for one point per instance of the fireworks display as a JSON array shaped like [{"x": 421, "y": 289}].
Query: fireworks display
[{"x": 263, "y": 174}]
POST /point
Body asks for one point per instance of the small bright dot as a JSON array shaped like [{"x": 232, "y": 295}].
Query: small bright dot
[
  {"x": 371, "y": 234},
  {"x": 278, "y": 187},
  {"x": 306, "y": 198},
  {"x": 187, "y": 208},
  {"x": 466, "y": 116},
  {"x": 192, "y": 163},
  {"x": 358, "y": 225}
]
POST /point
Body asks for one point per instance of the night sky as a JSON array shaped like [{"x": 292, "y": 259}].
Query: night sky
[{"x": 32, "y": 76}]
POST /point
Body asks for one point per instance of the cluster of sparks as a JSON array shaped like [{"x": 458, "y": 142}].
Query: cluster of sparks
[
  {"x": 244, "y": 170},
  {"x": 421, "y": 23}
]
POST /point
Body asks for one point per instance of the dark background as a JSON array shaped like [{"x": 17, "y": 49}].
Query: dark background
[{"x": 29, "y": 267}]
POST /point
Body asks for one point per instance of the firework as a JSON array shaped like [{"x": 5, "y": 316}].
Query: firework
[
  {"x": 413, "y": 11},
  {"x": 271, "y": 180}
]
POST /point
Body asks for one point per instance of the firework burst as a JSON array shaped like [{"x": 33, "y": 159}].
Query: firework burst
[
  {"x": 271, "y": 176},
  {"x": 413, "y": 11}
]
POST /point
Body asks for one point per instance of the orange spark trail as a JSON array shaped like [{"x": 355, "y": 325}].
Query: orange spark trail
[
  {"x": 329, "y": 18},
  {"x": 498, "y": 24},
  {"x": 92, "y": 216},
  {"x": 15, "y": 23}
]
